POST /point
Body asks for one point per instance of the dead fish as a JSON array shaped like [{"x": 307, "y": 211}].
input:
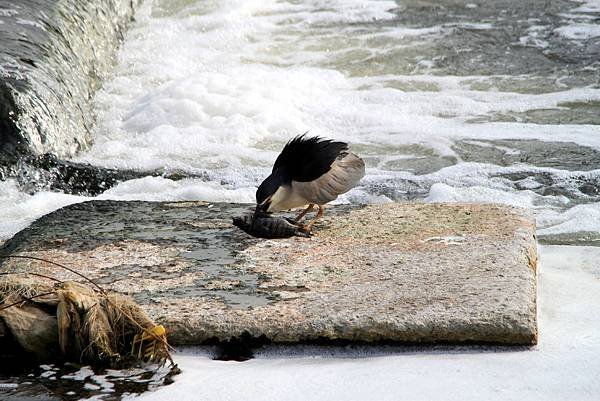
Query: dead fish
[{"x": 267, "y": 226}]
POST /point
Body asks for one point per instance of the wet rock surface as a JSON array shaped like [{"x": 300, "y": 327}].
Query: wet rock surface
[{"x": 404, "y": 272}]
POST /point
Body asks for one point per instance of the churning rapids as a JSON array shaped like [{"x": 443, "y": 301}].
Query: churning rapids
[
  {"x": 494, "y": 101},
  {"x": 466, "y": 101},
  {"x": 446, "y": 101}
]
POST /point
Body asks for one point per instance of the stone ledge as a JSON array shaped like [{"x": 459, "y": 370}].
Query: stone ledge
[{"x": 401, "y": 272}]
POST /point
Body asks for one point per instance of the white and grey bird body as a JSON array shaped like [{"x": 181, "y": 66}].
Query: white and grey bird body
[
  {"x": 309, "y": 171},
  {"x": 344, "y": 174}
]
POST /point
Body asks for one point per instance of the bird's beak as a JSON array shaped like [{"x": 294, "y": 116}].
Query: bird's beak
[
  {"x": 256, "y": 213},
  {"x": 262, "y": 208}
]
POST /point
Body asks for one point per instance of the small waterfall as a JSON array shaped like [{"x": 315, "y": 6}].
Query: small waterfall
[{"x": 53, "y": 58}]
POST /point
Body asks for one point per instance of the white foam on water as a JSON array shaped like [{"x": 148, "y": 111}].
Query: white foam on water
[
  {"x": 215, "y": 89},
  {"x": 8, "y": 12},
  {"x": 478, "y": 194},
  {"x": 334, "y": 11},
  {"x": 561, "y": 367},
  {"x": 579, "y": 218},
  {"x": 162, "y": 189},
  {"x": 219, "y": 103},
  {"x": 579, "y": 17},
  {"x": 23, "y": 21},
  {"x": 83, "y": 373},
  {"x": 535, "y": 37},
  {"x": 219, "y": 99},
  {"x": 484, "y": 183},
  {"x": 589, "y": 6},
  {"x": 553, "y": 214},
  {"x": 20, "y": 209},
  {"x": 401, "y": 33},
  {"x": 579, "y": 31},
  {"x": 472, "y": 25},
  {"x": 480, "y": 183}
]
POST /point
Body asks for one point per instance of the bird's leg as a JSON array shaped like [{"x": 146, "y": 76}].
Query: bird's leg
[
  {"x": 317, "y": 217},
  {"x": 303, "y": 213}
]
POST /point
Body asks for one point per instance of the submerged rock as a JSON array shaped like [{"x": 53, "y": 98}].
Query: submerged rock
[
  {"x": 48, "y": 173},
  {"x": 397, "y": 272}
]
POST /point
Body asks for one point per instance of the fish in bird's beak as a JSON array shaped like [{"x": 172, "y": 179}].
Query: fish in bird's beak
[
  {"x": 260, "y": 209},
  {"x": 257, "y": 211}
]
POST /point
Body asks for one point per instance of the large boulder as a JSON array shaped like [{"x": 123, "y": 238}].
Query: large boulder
[{"x": 400, "y": 272}]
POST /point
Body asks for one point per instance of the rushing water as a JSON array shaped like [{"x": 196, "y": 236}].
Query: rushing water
[
  {"x": 468, "y": 101},
  {"x": 446, "y": 101},
  {"x": 53, "y": 56}
]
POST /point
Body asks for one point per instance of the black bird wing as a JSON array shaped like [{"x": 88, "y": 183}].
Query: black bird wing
[{"x": 306, "y": 159}]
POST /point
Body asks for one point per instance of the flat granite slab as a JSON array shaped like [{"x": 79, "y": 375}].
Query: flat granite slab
[{"x": 401, "y": 272}]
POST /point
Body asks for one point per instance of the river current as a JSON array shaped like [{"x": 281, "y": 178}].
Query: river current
[
  {"x": 493, "y": 101},
  {"x": 459, "y": 101}
]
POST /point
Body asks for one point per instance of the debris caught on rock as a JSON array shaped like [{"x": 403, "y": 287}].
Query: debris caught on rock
[{"x": 51, "y": 319}]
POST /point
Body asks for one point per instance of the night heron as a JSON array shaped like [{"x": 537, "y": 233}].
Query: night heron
[{"x": 309, "y": 171}]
